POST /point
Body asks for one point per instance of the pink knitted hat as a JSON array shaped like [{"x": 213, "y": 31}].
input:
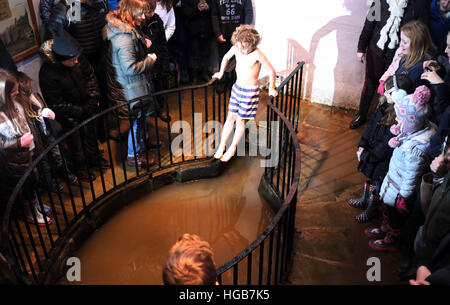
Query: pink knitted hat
[{"x": 412, "y": 110}]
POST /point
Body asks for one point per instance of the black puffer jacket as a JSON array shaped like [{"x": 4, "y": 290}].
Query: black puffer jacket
[
  {"x": 87, "y": 31},
  {"x": 154, "y": 30},
  {"x": 416, "y": 10},
  {"x": 198, "y": 23},
  {"x": 72, "y": 93},
  {"x": 374, "y": 161}
]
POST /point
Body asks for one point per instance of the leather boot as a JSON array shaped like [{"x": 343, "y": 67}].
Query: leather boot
[
  {"x": 372, "y": 209},
  {"x": 362, "y": 202},
  {"x": 357, "y": 122}
]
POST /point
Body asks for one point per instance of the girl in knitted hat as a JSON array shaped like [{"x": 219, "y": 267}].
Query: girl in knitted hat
[
  {"x": 409, "y": 161},
  {"x": 374, "y": 152}
]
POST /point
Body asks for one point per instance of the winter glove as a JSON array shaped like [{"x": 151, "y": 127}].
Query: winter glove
[
  {"x": 380, "y": 89},
  {"x": 400, "y": 205}
]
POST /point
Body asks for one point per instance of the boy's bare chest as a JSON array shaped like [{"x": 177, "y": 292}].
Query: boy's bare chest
[{"x": 247, "y": 61}]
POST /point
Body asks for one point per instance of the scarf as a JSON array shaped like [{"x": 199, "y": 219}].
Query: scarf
[{"x": 396, "y": 7}]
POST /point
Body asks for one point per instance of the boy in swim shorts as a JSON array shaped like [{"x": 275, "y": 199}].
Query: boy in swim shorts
[{"x": 245, "y": 92}]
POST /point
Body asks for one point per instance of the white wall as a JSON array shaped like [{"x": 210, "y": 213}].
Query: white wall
[{"x": 322, "y": 33}]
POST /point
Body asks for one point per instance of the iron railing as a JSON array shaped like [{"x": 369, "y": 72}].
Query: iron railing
[{"x": 29, "y": 249}]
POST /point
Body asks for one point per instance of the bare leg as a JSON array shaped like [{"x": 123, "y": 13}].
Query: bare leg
[
  {"x": 240, "y": 129},
  {"x": 227, "y": 129}
]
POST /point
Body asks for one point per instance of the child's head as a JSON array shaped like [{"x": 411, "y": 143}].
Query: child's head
[
  {"x": 412, "y": 110},
  {"x": 150, "y": 10},
  {"x": 403, "y": 82},
  {"x": 190, "y": 262},
  {"x": 416, "y": 40},
  {"x": 246, "y": 39}
]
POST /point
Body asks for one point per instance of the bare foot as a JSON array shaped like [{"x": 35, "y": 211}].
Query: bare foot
[
  {"x": 227, "y": 156},
  {"x": 219, "y": 152}
]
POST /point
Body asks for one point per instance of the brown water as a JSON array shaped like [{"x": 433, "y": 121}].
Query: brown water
[{"x": 132, "y": 247}]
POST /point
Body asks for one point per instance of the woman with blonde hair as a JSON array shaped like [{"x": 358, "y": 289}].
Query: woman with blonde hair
[
  {"x": 129, "y": 71},
  {"x": 417, "y": 45}
]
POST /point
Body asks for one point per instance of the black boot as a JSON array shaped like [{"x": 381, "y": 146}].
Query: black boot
[
  {"x": 357, "y": 122},
  {"x": 371, "y": 211},
  {"x": 362, "y": 202}
]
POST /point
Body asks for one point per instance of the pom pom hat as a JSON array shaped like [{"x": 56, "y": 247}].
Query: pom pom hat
[{"x": 412, "y": 110}]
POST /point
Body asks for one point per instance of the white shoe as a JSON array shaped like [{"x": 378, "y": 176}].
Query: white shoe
[{"x": 40, "y": 220}]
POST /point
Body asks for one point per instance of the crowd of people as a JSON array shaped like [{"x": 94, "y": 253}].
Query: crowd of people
[
  {"x": 404, "y": 152},
  {"x": 124, "y": 50},
  {"x": 98, "y": 54}
]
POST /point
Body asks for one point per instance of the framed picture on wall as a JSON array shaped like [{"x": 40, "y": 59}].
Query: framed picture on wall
[{"x": 18, "y": 28}]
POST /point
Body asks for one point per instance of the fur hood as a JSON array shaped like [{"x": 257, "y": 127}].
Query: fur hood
[
  {"x": 115, "y": 26},
  {"x": 47, "y": 53}
]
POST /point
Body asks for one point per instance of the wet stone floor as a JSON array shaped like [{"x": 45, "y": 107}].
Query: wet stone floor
[{"x": 330, "y": 247}]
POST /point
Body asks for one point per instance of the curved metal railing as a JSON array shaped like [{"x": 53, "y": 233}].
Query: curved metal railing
[{"x": 29, "y": 249}]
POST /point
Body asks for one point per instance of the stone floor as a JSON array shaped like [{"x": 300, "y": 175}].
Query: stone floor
[{"x": 330, "y": 246}]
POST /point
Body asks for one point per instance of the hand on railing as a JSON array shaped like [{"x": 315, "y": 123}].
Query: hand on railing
[
  {"x": 218, "y": 75},
  {"x": 273, "y": 92}
]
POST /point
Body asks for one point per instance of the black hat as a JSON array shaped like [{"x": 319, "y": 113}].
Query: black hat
[{"x": 65, "y": 48}]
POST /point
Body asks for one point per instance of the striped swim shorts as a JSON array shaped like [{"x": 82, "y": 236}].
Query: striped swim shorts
[{"x": 244, "y": 101}]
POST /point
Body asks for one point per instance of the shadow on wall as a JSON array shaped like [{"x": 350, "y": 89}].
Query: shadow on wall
[{"x": 348, "y": 73}]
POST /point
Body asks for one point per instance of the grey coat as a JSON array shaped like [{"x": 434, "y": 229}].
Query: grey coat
[
  {"x": 128, "y": 66},
  {"x": 409, "y": 161}
]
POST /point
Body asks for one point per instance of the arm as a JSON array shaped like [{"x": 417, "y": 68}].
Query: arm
[
  {"x": 170, "y": 26},
  {"x": 226, "y": 58},
  {"x": 266, "y": 64},
  {"x": 9, "y": 143},
  {"x": 90, "y": 106},
  {"x": 366, "y": 33},
  {"x": 435, "y": 148},
  {"x": 393, "y": 66},
  {"x": 215, "y": 19},
  {"x": 127, "y": 56},
  {"x": 416, "y": 161},
  {"x": 52, "y": 92}
]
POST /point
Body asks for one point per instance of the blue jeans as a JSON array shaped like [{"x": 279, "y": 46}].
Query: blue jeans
[{"x": 136, "y": 131}]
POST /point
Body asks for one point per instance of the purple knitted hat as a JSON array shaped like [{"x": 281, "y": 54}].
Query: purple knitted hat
[{"x": 412, "y": 110}]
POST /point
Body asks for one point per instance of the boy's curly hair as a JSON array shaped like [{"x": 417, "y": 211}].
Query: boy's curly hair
[
  {"x": 247, "y": 36},
  {"x": 190, "y": 262}
]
